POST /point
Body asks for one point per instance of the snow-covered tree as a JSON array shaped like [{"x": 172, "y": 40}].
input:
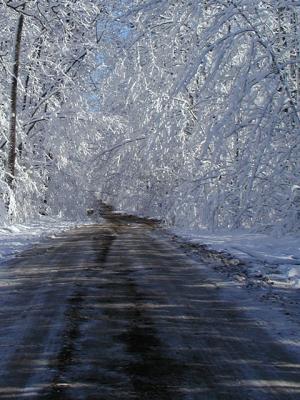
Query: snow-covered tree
[
  {"x": 208, "y": 92},
  {"x": 42, "y": 83},
  {"x": 184, "y": 110}
]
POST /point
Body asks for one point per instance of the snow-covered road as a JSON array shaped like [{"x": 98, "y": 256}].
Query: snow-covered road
[{"x": 116, "y": 311}]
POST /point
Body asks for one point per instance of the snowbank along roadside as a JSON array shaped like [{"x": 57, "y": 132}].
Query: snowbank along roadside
[{"x": 276, "y": 260}]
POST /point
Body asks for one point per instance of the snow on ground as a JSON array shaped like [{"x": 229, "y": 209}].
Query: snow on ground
[
  {"x": 278, "y": 259},
  {"x": 17, "y": 238}
]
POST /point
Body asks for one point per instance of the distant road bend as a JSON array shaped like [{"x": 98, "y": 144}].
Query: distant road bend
[{"x": 116, "y": 311}]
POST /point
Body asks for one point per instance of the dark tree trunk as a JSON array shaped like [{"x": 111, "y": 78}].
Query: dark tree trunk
[{"x": 11, "y": 159}]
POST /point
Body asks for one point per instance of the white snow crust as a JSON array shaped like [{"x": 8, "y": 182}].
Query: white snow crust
[
  {"x": 19, "y": 237},
  {"x": 278, "y": 259}
]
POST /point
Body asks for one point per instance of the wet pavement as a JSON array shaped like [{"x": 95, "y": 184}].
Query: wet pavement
[{"x": 115, "y": 311}]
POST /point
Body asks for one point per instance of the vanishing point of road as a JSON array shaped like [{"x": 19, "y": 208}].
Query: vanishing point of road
[{"x": 116, "y": 311}]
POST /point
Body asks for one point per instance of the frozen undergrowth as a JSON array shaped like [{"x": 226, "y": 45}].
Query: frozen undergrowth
[{"x": 277, "y": 259}]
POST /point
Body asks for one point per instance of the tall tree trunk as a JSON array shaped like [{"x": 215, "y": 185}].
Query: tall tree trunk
[{"x": 11, "y": 159}]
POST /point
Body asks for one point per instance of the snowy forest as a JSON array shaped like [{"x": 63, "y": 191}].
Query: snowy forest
[{"x": 182, "y": 110}]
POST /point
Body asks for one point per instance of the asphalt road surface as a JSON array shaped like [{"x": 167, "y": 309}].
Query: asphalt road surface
[{"x": 117, "y": 312}]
